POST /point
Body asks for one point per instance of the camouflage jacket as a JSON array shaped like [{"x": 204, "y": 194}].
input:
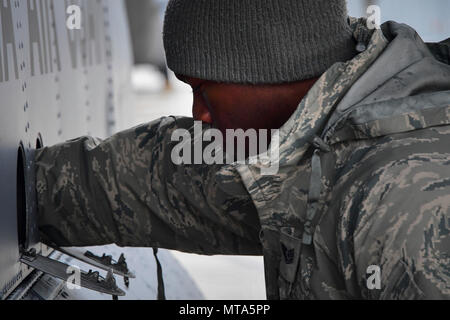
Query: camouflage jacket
[{"x": 364, "y": 180}]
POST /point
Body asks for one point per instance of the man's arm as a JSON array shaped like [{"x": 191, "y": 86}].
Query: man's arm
[{"x": 126, "y": 190}]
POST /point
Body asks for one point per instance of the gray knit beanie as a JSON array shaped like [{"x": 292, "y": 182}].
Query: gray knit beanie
[{"x": 256, "y": 41}]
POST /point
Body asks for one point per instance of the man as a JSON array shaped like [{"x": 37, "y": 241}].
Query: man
[{"x": 359, "y": 208}]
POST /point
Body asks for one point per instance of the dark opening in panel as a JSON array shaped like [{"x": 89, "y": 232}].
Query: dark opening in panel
[
  {"x": 39, "y": 142},
  {"x": 21, "y": 198}
]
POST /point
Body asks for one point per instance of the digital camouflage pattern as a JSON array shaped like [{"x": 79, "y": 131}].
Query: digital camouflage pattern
[{"x": 364, "y": 180}]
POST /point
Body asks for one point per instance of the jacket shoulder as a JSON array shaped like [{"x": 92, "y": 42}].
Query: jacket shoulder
[{"x": 395, "y": 210}]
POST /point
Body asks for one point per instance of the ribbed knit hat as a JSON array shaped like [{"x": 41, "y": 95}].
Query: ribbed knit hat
[{"x": 256, "y": 41}]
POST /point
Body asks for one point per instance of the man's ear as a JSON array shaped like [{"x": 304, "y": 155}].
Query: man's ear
[{"x": 200, "y": 111}]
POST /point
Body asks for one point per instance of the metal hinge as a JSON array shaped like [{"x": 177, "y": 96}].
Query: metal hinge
[
  {"x": 91, "y": 280},
  {"x": 105, "y": 262}
]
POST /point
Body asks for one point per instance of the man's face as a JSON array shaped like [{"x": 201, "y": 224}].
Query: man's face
[{"x": 238, "y": 106}]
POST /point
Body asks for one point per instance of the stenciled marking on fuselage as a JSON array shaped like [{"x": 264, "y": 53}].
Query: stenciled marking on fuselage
[{"x": 44, "y": 39}]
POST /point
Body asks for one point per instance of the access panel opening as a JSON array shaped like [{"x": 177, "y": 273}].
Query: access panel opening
[{"x": 21, "y": 198}]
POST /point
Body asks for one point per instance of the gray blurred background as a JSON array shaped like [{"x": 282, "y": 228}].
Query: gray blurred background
[{"x": 430, "y": 18}]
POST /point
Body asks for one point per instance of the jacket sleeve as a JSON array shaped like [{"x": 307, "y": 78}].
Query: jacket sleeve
[{"x": 126, "y": 190}]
